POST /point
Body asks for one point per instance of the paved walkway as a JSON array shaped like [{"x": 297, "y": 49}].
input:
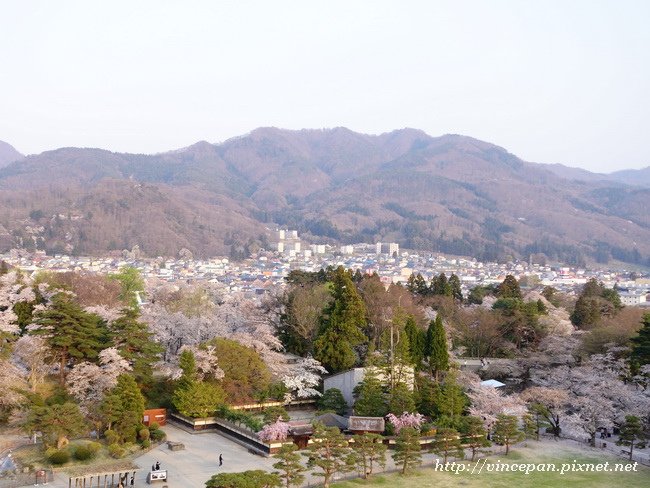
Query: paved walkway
[{"x": 193, "y": 466}]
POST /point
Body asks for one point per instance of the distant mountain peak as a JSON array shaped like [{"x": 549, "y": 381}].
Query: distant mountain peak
[
  {"x": 8, "y": 154},
  {"x": 200, "y": 146}
]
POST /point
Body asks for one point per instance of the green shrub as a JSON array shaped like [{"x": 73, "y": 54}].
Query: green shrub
[
  {"x": 129, "y": 434},
  {"x": 144, "y": 434},
  {"x": 60, "y": 456},
  {"x": 94, "y": 447},
  {"x": 146, "y": 444},
  {"x": 116, "y": 451},
  {"x": 111, "y": 437},
  {"x": 271, "y": 414},
  {"x": 154, "y": 426},
  {"x": 157, "y": 435},
  {"x": 82, "y": 453}
]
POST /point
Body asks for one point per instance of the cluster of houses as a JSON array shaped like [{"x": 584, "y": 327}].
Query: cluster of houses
[{"x": 268, "y": 268}]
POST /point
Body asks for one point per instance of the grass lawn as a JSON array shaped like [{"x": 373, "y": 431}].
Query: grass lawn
[{"x": 546, "y": 452}]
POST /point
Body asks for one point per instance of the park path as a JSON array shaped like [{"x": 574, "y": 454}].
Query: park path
[{"x": 193, "y": 466}]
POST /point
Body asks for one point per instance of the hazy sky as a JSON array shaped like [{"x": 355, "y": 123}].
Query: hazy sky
[{"x": 551, "y": 81}]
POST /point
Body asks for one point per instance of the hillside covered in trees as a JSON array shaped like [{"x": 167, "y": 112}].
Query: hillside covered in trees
[{"x": 451, "y": 194}]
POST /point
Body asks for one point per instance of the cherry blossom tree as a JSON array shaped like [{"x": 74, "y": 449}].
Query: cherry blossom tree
[
  {"x": 12, "y": 381},
  {"x": 590, "y": 414},
  {"x": 597, "y": 395},
  {"x": 8, "y": 323},
  {"x": 175, "y": 330},
  {"x": 549, "y": 403},
  {"x": 32, "y": 354},
  {"x": 207, "y": 363},
  {"x": 302, "y": 377},
  {"x": 89, "y": 382},
  {"x": 107, "y": 313},
  {"x": 488, "y": 403},
  {"x": 13, "y": 289},
  {"x": 412, "y": 420},
  {"x": 277, "y": 431}
]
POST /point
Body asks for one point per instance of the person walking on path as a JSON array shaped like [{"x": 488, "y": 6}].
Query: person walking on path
[{"x": 220, "y": 459}]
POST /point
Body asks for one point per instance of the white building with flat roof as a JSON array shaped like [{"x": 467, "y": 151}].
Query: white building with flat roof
[
  {"x": 632, "y": 299},
  {"x": 346, "y": 381}
]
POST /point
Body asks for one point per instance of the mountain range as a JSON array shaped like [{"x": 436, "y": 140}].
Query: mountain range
[{"x": 451, "y": 194}]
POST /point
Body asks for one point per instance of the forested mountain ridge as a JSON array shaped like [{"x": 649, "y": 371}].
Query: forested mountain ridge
[{"x": 452, "y": 194}]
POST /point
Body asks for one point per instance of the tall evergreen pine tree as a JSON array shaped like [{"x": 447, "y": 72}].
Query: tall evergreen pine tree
[
  {"x": 436, "y": 347},
  {"x": 135, "y": 344},
  {"x": 343, "y": 325},
  {"x": 73, "y": 334},
  {"x": 407, "y": 454},
  {"x": 417, "y": 338},
  {"x": 641, "y": 344}
]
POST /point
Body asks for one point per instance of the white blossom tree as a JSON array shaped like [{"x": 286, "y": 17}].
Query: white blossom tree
[
  {"x": 488, "y": 403},
  {"x": 302, "y": 377},
  {"x": 596, "y": 393},
  {"x": 106, "y": 313},
  {"x": 12, "y": 382},
  {"x": 549, "y": 403},
  {"x": 206, "y": 361},
  {"x": 13, "y": 289},
  {"x": 32, "y": 354},
  {"x": 89, "y": 382},
  {"x": 590, "y": 414}
]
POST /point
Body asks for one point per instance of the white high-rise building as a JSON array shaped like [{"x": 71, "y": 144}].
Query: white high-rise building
[
  {"x": 387, "y": 248},
  {"x": 287, "y": 241}
]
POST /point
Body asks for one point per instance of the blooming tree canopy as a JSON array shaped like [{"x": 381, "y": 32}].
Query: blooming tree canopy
[
  {"x": 412, "y": 420},
  {"x": 88, "y": 382},
  {"x": 277, "y": 431},
  {"x": 302, "y": 377}
]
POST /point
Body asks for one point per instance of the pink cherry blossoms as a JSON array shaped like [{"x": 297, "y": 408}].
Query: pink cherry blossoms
[
  {"x": 277, "y": 431},
  {"x": 413, "y": 420}
]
